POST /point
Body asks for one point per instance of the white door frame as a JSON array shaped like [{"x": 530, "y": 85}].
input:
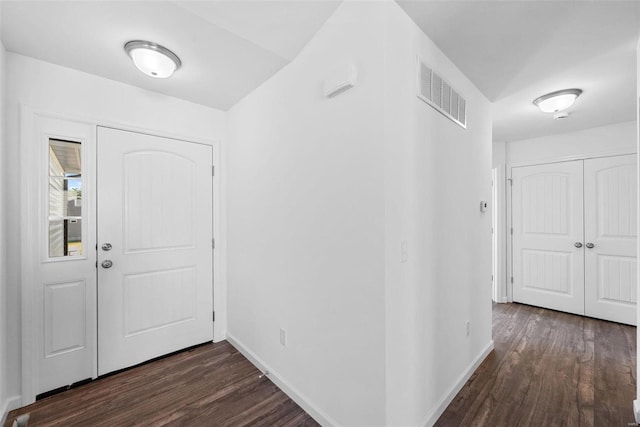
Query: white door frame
[
  {"x": 499, "y": 236},
  {"x": 28, "y": 147},
  {"x": 510, "y": 166}
]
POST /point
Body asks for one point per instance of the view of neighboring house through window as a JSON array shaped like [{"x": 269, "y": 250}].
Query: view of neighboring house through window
[{"x": 65, "y": 198}]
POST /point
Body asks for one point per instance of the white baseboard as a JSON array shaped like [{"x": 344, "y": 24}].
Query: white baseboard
[
  {"x": 433, "y": 416},
  {"x": 636, "y": 410},
  {"x": 219, "y": 335},
  {"x": 7, "y": 406},
  {"x": 283, "y": 385}
]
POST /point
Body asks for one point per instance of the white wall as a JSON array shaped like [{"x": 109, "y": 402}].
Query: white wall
[
  {"x": 323, "y": 191},
  {"x": 306, "y": 221},
  {"x": 498, "y": 153},
  {"x": 49, "y": 87},
  {"x": 436, "y": 174},
  {"x": 618, "y": 138}
]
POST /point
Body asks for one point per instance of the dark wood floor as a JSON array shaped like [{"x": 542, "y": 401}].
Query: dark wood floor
[
  {"x": 550, "y": 369},
  {"x": 211, "y": 385}
]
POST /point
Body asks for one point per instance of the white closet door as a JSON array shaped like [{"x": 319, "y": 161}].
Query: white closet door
[
  {"x": 611, "y": 227},
  {"x": 548, "y": 258},
  {"x": 155, "y": 207}
]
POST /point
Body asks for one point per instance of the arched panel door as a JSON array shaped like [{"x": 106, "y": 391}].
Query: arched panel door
[
  {"x": 611, "y": 217},
  {"x": 155, "y": 254},
  {"x": 548, "y": 252}
]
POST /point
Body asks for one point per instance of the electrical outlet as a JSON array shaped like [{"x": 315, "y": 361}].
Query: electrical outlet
[
  {"x": 283, "y": 337},
  {"x": 467, "y": 327}
]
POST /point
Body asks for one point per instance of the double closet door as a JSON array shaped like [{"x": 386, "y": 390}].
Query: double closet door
[
  {"x": 124, "y": 272},
  {"x": 574, "y": 232}
]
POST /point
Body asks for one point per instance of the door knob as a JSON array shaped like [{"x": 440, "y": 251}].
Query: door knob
[
  {"x": 106, "y": 246},
  {"x": 107, "y": 263},
  {"x": 590, "y": 245},
  {"x": 578, "y": 244}
]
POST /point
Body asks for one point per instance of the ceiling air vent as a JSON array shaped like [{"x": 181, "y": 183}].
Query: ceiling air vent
[{"x": 435, "y": 91}]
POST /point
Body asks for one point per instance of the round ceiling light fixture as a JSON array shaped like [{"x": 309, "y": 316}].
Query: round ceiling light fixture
[
  {"x": 557, "y": 101},
  {"x": 152, "y": 59}
]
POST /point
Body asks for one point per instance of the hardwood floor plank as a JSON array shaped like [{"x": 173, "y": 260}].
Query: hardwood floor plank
[
  {"x": 209, "y": 385},
  {"x": 615, "y": 354},
  {"x": 550, "y": 369}
]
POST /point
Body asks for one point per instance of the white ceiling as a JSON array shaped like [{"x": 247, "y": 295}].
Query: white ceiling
[
  {"x": 513, "y": 51},
  {"x": 227, "y": 48}
]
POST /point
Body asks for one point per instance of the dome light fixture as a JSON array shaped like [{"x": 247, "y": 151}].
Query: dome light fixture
[
  {"x": 557, "y": 101},
  {"x": 152, "y": 59}
]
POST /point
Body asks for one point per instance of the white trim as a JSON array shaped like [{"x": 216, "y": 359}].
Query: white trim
[
  {"x": 7, "y": 406},
  {"x": 509, "y": 207},
  {"x": 560, "y": 159},
  {"x": 97, "y": 121},
  {"x": 26, "y": 128},
  {"x": 28, "y": 359},
  {"x": 433, "y": 416},
  {"x": 509, "y": 236},
  {"x": 500, "y": 283},
  {"x": 636, "y": 411},
  {"x": 220, "y": 250},
  {"x": 303, "y": 401}
]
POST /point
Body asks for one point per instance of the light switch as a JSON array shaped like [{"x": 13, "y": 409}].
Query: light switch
[{"x": 404, "y": 251}]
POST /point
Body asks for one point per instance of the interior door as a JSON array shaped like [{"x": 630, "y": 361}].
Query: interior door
[
  {"x": 155, "y": 255},
  {"x": 548, "y": 259},
  {"x": 610, "y": 189}
]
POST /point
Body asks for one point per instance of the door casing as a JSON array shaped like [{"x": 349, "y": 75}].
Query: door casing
[
  {"x": 29, "y": 142},
  {"x": 508, "y": 191}
]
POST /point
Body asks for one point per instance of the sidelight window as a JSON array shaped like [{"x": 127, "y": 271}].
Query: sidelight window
[{"x": 65, "y": 198}]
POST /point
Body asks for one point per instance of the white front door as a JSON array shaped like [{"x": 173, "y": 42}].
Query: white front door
[
  {"x": 155, "y": 255},
  {"x": 548, "y": 257},
  {"x": 610, "y": 198}
]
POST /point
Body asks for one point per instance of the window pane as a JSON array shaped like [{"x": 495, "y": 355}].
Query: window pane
[{"x": 65, "y": 198}]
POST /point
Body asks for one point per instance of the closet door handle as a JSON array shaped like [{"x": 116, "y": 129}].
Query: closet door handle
[
  {"x": 578, "y": 245},
  {"x": 590, "y": 245}
]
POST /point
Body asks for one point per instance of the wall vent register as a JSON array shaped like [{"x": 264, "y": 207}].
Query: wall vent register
[{"x": 439, "y": 94}]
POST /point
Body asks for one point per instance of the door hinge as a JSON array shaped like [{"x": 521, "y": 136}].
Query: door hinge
[
  {"x": 213, "y": 170},
  {"x": 512, "y": 231},
  {"x": 511, "y": 279},
  {"x": 213, "y": 316},
  {"x": 510, "y": 181},
  {"x": 213, "y": 243}
]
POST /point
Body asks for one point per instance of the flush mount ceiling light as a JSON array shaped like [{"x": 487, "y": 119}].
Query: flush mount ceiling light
[
  {"x": 152, "y": 59},
  {"x": 557, "y": 101}
]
